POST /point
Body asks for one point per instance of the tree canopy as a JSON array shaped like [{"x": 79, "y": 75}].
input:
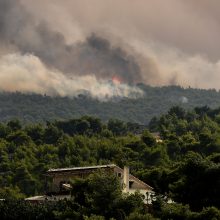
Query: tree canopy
[{"x": 183, "y": 166}]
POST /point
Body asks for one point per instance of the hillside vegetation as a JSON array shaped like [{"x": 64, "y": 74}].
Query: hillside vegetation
[{"x": 156, "y": 101}]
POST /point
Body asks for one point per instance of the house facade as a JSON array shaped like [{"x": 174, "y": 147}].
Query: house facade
[{"x": 60, "y": 179}]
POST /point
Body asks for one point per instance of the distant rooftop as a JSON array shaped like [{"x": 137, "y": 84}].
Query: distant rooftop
[
  {"x": 69, "y": 169},
  {"x": 80, "y": 168}
]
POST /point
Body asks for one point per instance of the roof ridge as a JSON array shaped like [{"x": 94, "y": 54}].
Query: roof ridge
[{"x": 78, "y": 168}]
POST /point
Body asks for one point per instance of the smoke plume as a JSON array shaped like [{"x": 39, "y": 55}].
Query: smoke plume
[
  {"x": 63, "y": 47},
  {"x": 93, "y": 55},
  {"x": 26, "y": 73}
]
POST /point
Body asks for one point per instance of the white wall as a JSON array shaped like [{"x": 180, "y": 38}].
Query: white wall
[{"x": 148, "y": 195}]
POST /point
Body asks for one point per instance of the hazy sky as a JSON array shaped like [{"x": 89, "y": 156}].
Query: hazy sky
[
  {"x": 189, "y": 25},
  {"x": 159, "y": 42}
]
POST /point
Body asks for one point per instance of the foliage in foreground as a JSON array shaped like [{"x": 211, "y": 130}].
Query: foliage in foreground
[{"x": 183, "y": 164}]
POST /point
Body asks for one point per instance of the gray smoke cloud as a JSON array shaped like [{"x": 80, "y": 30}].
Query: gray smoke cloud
[
  {"x": 192, "y": 26},
  {"x": 152, "y": 41},
  {"x": 93, "y": 55},
  {"x": 26, "y": 73}
]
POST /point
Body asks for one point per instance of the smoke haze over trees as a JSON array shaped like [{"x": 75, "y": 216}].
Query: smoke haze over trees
[
  {"x": 134, "y": 83},
  {"x": 78, "y": 41}
]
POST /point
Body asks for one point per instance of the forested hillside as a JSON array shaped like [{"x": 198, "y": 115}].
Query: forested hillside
[
  {"x": 156, "y": 100},
  {"x": 185, "y": 166}
]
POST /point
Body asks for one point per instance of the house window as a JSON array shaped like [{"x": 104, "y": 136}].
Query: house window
[
  {"x": 119, "y": 174},
  {"x": 130, "y": 184}
]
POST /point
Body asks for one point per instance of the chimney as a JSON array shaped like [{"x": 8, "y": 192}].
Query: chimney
[{"x": 126, "y": 179}]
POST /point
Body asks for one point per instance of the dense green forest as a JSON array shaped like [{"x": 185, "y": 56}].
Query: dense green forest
[
  {"x": 184, "y": 166},
  {"x": 156, "y": 101}
]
